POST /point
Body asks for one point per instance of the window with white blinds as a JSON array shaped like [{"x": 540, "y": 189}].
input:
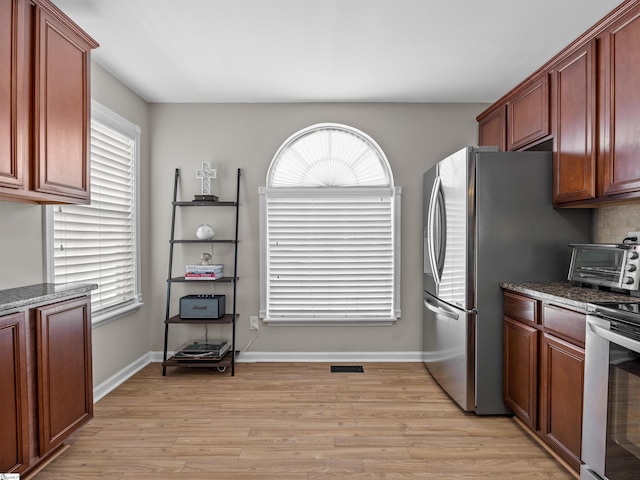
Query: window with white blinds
[
  {"x": 98, "y": 243},
  {"x": 330, "y": 249}
]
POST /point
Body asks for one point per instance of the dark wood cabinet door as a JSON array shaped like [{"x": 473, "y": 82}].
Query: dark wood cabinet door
[
  {"x": 62, "y": 110},
  {"x": 561, "y": 394},
  {"x": 520, "y": 370},
  {"x": 528, "y": 114},
  {"x": 573, "y": 86},
  {"x": 620, "y": 108},
  {"x": 13, "y": 91},
  {"x": 492, "y": 128},
  {"x": 14, "y": 441},
  {"x": 65, "y": 384}
]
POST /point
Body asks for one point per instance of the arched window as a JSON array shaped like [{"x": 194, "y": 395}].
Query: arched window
[{"x": 330, "y": 228}]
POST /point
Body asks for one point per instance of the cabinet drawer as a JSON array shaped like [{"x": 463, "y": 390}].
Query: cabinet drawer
[
  {"x": 564, "y": 323},
  {"x": 522, "y": 309}
]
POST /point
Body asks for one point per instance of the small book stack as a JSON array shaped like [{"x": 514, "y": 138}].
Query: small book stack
[{"x": 203, "y": 272}]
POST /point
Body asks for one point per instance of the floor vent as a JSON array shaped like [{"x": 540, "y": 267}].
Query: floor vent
[{"x": 347, "y": 369}]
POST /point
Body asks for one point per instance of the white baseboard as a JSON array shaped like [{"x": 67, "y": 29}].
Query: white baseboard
[
  {"x": 363, "y": 357},
  {"x": 123, "y": 375},
  {"x": 254, "y": 357}
]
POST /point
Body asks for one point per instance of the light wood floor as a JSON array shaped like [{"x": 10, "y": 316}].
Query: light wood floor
[{"x": 295, "y": 422}]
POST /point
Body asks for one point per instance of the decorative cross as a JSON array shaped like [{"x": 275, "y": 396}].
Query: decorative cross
[{"x": 206, "y": 174}]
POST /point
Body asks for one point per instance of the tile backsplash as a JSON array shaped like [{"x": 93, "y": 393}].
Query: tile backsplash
[{"x": 613, "y": 223}]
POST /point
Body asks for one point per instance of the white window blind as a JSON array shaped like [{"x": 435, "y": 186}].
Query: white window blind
[
  {"x": 97, "y": 243},
  {"x": 330, "y": 256},
  {"x": 330, "y": 231}
]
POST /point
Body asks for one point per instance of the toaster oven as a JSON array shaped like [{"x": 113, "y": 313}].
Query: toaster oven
[{"x": 606, "y": 265}]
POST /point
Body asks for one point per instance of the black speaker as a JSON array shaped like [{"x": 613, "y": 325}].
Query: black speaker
[{"x": 202, "y": 306}]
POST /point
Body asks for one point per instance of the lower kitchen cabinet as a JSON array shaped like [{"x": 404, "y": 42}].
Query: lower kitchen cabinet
[
  {"x": 521, "y": 370},
  {"x": 45, "y": 380},
  {"x": 544, "y": 371},
  {"x": 65, "y": 384},
  {"x": 14, "y": 446},
  {"x": 561, "y": 394}
]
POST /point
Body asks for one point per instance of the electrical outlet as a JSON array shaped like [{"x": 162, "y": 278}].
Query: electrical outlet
[
  {"x": 253, "y": 323},
  {"x": 635, "y": 234}
]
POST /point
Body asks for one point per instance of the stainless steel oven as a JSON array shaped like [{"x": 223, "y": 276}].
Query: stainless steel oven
[{"x": 611, "y": 422}]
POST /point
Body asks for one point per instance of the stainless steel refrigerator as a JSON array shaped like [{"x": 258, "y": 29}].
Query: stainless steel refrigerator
[{"x": 488, "y": 218}]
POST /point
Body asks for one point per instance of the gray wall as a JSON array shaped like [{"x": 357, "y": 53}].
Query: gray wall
[
  {"x": 121, "y": 342},
  {"x": 413, "y": 136},
  {"x": 21, "y": 244}
]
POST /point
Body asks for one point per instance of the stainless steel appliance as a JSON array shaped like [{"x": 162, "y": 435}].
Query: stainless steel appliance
[
  {"x": 611, "y": 414},
  {"x": 608, "y": 265},
  {"x": 488, "y": 219}
]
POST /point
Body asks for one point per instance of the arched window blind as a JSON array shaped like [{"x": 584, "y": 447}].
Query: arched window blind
[{"x": 330, "y": 231}]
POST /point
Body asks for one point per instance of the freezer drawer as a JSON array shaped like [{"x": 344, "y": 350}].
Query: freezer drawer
[{"x": 448, "y": 353}]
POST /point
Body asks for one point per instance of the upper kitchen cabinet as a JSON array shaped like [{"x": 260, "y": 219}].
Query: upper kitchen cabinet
[
  {"x": 587, "y": 98},
  {"x": 596, "y": 103},
  {"x": 45, "y": 99},
  {"x": 573, "y": 100},
  {"x": 619, "y": 96},
  {"x": 520, "y": 119},
  {"x": 14, "y": 129},
  {"x": 528, "y": 114},
  {"x": 493, "y": 127}
]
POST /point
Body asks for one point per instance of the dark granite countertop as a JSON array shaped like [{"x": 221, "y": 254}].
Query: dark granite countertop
[
  {"x": 40, "y": 294},
  {"x": 566, "y": 293}
]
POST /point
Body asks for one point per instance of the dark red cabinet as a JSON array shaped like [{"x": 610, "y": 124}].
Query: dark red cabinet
[
  {"x": 14, "y": 441},
  {"x": 46, "y": 381},
  {"x": 44, "y": 104},
  {"x": 65, "y": 387},
  {"x": 544, "y": 371}
]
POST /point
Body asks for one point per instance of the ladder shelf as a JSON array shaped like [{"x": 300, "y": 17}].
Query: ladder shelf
[{"x": 230, "y": 317}]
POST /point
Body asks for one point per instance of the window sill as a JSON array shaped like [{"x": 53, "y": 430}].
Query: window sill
[
  {"x": 115, "y": 314},
  {"x": 329, "y": 322}
]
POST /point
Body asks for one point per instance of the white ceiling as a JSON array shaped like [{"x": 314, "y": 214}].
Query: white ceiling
[{"x": 329, "y": 50}]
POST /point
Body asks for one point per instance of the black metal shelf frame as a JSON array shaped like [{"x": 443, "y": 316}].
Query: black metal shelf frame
[{"x": 229, "y": 360}]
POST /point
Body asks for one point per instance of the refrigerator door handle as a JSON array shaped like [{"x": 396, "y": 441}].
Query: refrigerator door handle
[
  {"x": 440, "y": 310},
  {"x": 431, "y": 220}
]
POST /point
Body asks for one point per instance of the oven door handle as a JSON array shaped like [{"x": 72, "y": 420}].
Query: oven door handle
[{"x": 616, "y": 338}]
